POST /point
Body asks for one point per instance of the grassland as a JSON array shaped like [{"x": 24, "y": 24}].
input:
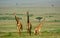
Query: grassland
[{"x": 50, "y": 29}]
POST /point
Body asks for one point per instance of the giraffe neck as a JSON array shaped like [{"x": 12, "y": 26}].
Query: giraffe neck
[
  {"x": 27, "y": 17},
  {"x": 41, "y": 23}
]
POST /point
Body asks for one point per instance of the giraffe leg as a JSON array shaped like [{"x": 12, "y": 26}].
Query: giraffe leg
[
  {"x": 19, "y": 31},
  {"x": 30, "y": 32},
  {"x": 35, "y": 32},
  {"x": 27, "y": 31},
  {"x": 39, "y": 32}
]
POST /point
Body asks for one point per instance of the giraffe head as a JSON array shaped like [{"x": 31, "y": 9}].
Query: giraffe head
[{"x": 14, "y": 13}]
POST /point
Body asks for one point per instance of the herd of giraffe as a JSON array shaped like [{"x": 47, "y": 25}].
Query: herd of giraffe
[{"x": 29, "y": 25}]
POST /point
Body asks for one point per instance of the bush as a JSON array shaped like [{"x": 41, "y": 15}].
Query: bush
[
  {"x": 39, "y": 18},
  {"x": 9, "y": 34}
]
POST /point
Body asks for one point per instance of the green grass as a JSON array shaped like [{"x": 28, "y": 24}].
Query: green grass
[
  {"x": 49, "y": 30},
  {"x": 25, "y": 35}
]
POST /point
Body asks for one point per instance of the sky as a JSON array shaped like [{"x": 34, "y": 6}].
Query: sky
[{"x": 29, "y": 3}]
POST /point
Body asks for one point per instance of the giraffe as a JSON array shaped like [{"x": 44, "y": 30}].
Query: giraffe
[
  {"x": 19, "y": 24},
  {"x": 38, "y": 28},
  {"x": 29, "y": 25}
]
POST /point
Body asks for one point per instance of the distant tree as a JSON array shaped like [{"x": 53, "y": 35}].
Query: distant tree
[
  {"x": 52, "y": 5},
  {"x": 39, "y": 18},
  {"x": 9, "y": 34},
  {"x": 55, "y": 20},
  {"x": 50, "y": 16},
  {"x": 20, "y": 18},
  {"x": 30, "y": 15},
  {"x": 16, "y": 3}
]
